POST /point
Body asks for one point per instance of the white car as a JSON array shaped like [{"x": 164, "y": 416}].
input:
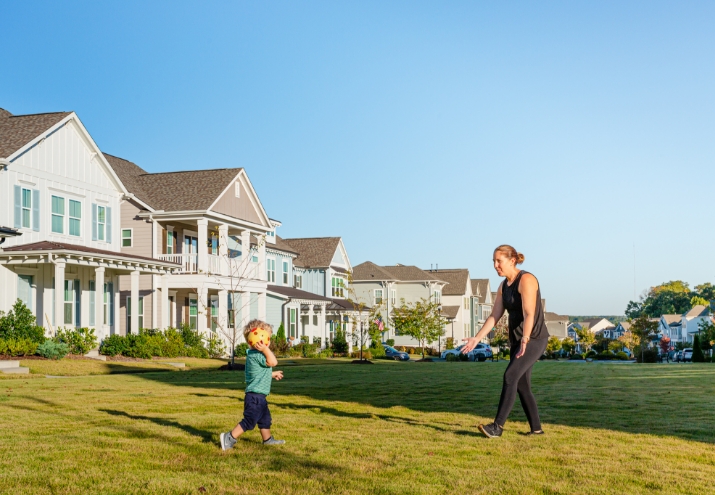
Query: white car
[
  {"x": 456, "y": 352},
  {"x": 481, "y": 352}
]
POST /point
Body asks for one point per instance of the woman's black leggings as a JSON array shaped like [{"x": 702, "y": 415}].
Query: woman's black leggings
[{"x": 517, "y": 379}]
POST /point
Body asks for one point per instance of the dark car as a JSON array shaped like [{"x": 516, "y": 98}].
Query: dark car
[{"x": 393, "y": 353}]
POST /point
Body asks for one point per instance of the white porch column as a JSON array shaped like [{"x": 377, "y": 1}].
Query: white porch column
[
  {"x": 99, "y": 302},
  {"x": 349, "y": 334},
  {"x": 262, "y": 306},
  {"x": 309, "y": 327},
  {"x": 59, "y": 294},
  {"x": 165, "y": 309},
  {"x": 245, "y": 249},
  {"x": 223, "y": 248},
  {"x": 323, "y": 327},
  {"x": 134, "y": 294},
  {"x": 154, "y": 301},
  {"x": 286, "y": 323},
  {"x": 223, "y": 312},
  {"x": 204, "y": 309},
  {"x": 203, "y": 237},
  {"x": 117, "y": 324},
  {"x": 262, "y": 275}
]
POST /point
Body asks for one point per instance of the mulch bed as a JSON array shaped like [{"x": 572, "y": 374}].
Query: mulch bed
[
  {"x": 235, "y": 367},
  {"x": 361, "y": 361}
]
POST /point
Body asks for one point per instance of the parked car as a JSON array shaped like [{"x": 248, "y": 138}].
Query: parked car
[
  {"x": 393, "y": 353},
  {"x": 456, "y": 352},
  {"x": 687, "y": 355},
  {"x": 481, "y": 352}
]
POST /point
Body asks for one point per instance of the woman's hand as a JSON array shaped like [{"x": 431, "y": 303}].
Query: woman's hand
[
  {"x": 522, "y": 350},
  {"x": 470, "y": 344}
]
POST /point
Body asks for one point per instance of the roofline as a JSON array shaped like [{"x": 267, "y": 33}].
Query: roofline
[
  {"x": 88, "y": 254},
  {"x": 40, "y": 113},
  {"x": 169, "y": 215},
  {"x": 252, "y": 190},
  {"x": 187, "y": 171}
]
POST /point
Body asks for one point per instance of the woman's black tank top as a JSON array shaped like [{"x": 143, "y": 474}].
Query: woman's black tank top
[{"x": 511, "y": 298}]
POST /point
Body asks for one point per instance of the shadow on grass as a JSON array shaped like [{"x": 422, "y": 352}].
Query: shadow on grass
[
  {"x": 651, "y": 399},
  {"x": 205, "y": 436}
]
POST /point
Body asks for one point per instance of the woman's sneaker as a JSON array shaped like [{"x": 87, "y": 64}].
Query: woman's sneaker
[
  {"x": 227, "y": 441},
  {"x": 535, "y": 433},
  {"x": 492, "y": 430}
]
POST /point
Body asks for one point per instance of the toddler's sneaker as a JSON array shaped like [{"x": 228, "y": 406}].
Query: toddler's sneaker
[
  {"x": 492, "y": 430},
  {"x": 273, "y": 441},
  {"x": 227, "y": 441}
]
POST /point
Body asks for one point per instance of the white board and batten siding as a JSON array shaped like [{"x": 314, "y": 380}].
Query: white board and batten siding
[{"x": 64, "y": 164}]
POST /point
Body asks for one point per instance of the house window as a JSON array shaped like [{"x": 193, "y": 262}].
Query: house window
[
  {"x": 254, "y": 258},
  {"x": 71, "y": 302},
  {"x": 466, "y": 303},
  {"x": 437, "y": 295},
  {"x": 285, "y": 273},
  {"x": 338, "y": 287},
  {"x": 169, "y": 242},
  {"x": 393, "y": 297},
  {"x": 214, "y": 244},
  {"x": 486, "y": 312},
  {"x": 58, "y": 215},
  {"x": 298, "y": 281},
  {"x": 378, "y": 297},
  {"x": 140, "y": 311},
  {"x": 193, "y": 312},
  {"x": 26, "y": 207},
  {"x": 271, "y": 265},
  {"x": 108, "y": 303},
  {"x": 214, "y": 313},
  {"x": 101, "y": 222},
  {"x": 126, "y": 237},
  {"x": 24, "y": 290},
  {"x": 92, "y": 302},
  {"x": 75, "y": 218},
  {"x": 291, "y": 322}
]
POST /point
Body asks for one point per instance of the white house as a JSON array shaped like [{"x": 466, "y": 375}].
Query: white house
[
  {"x": 693, "y": 319},
  {"x": 58, "y": 192}
]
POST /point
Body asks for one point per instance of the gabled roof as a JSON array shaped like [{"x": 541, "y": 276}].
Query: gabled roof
[
  {"x": 555, "y": 317},
  {"x": 314, "y": 252},
  {"x": 279, "y": 245},
  {"x": 480, "y": 287},
  {"x": 370, "y": 271},
  {"x": 457, "y": 279},
  {"x": 672, "y": 320},
  {"x": 18, "y": 130},
  {"x": 294, "y": 293},
  {"x": 410, "y": 273},
  {"x": 190, "y": 190},
  {"x": 625, "y": 325},
  {"x": 698, "y": 310},
  {"x": 450, "y": 312}
]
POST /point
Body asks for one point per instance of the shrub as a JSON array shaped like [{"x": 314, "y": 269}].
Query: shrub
[
  {"x": 340, "y": 343},
  {"x": 19, "y": 323},
  {"x": 324, "y": 354},
  {"x": 377, "y": 350},
  {"x": 281, "y": 333},
  {"x": 304, "y": 339},
  {"x": 18, "y": 347},
  {"x": 698, "y": 356},
  {"x": 576, "y": 356},
  {"x": 79, "y": 340},
  {"x": 622, "y": 356},
  {"x": 52, "y": 350},
  {"x": 449, "y": 344},
  {"x": 591, "y": 354},
  {"x": 452, "y": 358},
  {"x": 114, "y": 345},
  {"x": 390, "y": 342},
  {"x": 190, "y": 337},
  {"x": 241, "y": 350},
  {"x": 215, "y": 346},
  {"x": 411, "y": 350},
  {"x": 463, "y": 357},
  {"x": 647, "y": 356}
]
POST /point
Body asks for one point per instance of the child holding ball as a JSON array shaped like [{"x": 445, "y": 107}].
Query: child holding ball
[{"x": 259, "y": 372}]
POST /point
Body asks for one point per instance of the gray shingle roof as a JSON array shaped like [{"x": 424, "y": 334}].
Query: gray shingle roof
[
  {"x": 555, "y": 317},
  {"x": 410, "y": 273},
  {"x": 173, "y": 191},
  {"x": 281, "y": 245},
  {"x": 370, "y": 271},
  {"x": 314, "y": 252},
  {"x": 450, "y": 312},
  {"x": 698, "y": 310},
  {"x": 456, "y": 278},
  {"x": 18, "y": 130}
]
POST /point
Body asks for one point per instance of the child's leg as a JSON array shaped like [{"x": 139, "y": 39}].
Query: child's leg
[
  {"x": 237, "y": 431},
  {"x": 265, "y": 433},
  {"x": 264, "y": 426}
]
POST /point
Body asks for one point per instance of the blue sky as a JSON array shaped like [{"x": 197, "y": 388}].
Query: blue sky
[{"x": 579, "y": 132}]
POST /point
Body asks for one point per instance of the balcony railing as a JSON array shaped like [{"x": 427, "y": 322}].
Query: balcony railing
[{"x": 189, "y": 262}]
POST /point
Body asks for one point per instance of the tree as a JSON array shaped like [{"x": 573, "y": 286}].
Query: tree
[
  {"x": 615, "y": 346},
  {"x": 706, "y": 333},
  {"x": 340, "y": 343},
  {"x": 553, "y": 345},
  {"x": 698, "y": 356},
  {"x": 643, "y": 331},
  {"x": 698, "y": 301},
  {"x": 420, "y": 320},
  {"x": 628, "y": 341},
  {"x": 585, "y": 337},
  {"x": 665, "y": 345},
  {"x": 568, "y": 345},
  {"x": 500, "y": 334},
  {"x": 674, "y": 297}
]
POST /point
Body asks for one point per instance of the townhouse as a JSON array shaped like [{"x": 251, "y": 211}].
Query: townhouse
[
  {"x": 482, "y": 291},
  {"x": 457, "y": 303},
  {"x": 386, "y": 287},
  {"x": 62, "y": 256}
]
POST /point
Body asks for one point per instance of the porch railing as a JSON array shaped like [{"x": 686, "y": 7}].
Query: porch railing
[{"x": 189, "y": 262}]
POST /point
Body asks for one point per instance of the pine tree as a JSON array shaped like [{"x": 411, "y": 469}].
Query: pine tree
[{"x": 698, "y": 356}]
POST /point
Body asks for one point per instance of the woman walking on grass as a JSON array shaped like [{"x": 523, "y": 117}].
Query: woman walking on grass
[{"x": 520, "y": 296}]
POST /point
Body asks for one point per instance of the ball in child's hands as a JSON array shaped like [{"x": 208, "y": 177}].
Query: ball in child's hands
[{"x": 259, "y": 335}]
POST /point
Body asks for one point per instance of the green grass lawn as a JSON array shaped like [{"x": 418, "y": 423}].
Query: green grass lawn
[{"x": 388, "y": 428}]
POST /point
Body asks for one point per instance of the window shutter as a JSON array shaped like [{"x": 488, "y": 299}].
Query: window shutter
[
  {"x": 77, "y": 308},
  {"x": 110, "y": 291},
  {"x": 163, "y": 240},
  {"x": 36, "y": 210},
  {"x": 92, "y": 302},
  {"x": 94, "y": 221},
  {"x": 109, "y": 225},
  {"x": 18, "y": 207},
  {"x": 186, "y": 310}
]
